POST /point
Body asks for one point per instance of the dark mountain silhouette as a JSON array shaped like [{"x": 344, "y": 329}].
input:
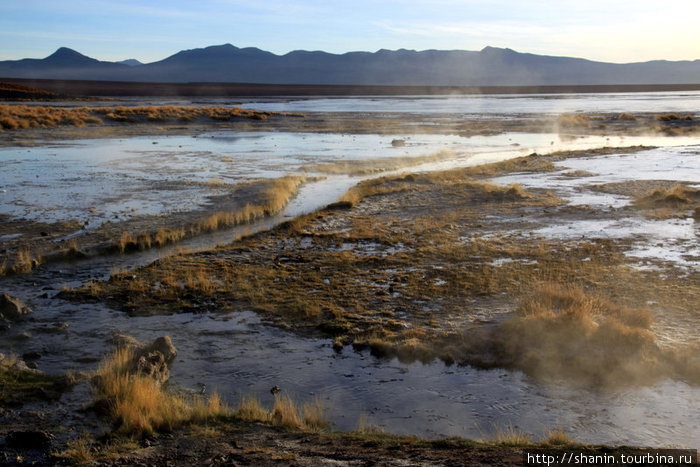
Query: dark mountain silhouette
[
  {"x": 229, "y": 64},
  {"x": 130, "y": 62}
]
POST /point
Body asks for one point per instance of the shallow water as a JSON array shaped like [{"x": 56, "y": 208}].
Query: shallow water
[
  {"x": 486, "y": 106},
  {"x": 238, "y": 355},
  {"x": 674, "y": 240},
  {"x": 100, "y": 180}
]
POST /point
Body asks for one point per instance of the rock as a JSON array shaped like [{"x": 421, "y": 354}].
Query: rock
[
  {"x": 398, "y": 143},
  {"x": 12, "y": 308},
  {"x": 122, "y": 341},
  {"x": 22, "y": 366},
  {"x": 153, "y": 365},
  {"x": 165, "y": 346},
  {"x": 29, "y": 439},
  {"x": 150, "y": 360}
]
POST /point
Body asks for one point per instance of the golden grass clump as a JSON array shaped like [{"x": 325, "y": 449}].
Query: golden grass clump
[
  {"x": 510, "y": 436},
  {"x": 366, "y": 427},
  {"x": 166, "y": 236},
  {"x": 676, "y": 196},
  {"x": 139, "y": 405},
  {"x": 285, "y": 412},
  {"x": 167, "y": 113},
  {"x": 676, "y": 201},
  {"x": 314, "y": 415},
  {"x": 14, "y": 117},
  {"x": 557, "y": 437},
  {"x": 672, "y": 116},
  {"x": 250, "y": 409},
  {"x": 77, "y": 451},
  {"x": 25, "y": 262},
  {"x": 273, "y": 196},
  {"x": 574, "y": 120},
  {"x": 562, "y": 332}
]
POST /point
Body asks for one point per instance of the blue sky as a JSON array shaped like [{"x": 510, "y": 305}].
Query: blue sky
[{"x": 615, "y": 31}]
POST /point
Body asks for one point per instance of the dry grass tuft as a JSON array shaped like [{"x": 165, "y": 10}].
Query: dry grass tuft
[
  {"x": 77, "y": 451},
  {"x": 25, "y": 262},
  {"x": 365, "y": 427},
  {"x": 272, "y": 198},
  {"x": 14, "y": 117},
  {"x": 250, "y": 409},
  {"x": 676, "y": 201},
  {"x": 562, "y": 332},
  {"x": 139, "y": 405},
  {"x": 574, "y": 121},
  {"x": 286, "y": 413},
  {"x": 314, "y": 415},
  {"x": 510, "y": 436},
  {"x": 557, "y": 437},
  {"x": 672, "y": 117}
]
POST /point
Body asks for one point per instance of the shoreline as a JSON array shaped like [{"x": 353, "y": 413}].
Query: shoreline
[{"x": 125, "y": 88}]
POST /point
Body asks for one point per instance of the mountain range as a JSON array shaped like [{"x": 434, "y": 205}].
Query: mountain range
[{"x": 229, "y": 64}]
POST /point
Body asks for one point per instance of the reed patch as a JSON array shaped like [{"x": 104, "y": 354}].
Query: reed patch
[{"x": 17, "y": 117}]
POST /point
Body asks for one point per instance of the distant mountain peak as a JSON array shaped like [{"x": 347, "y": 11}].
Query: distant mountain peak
[
  {"x": 130, "y": 62},
  {"x": 497, "y": 50},
  {"x": 68, "y": 56},
  {"x": 227, "y": 45},
  {"x": 65, "y": 52}
]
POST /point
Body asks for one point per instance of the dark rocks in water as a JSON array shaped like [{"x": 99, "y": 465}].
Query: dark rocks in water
[
  {"x": 29, "y": 439},
  {"x": 398, "y": 143},
  {"x": 12, "y": 308}
]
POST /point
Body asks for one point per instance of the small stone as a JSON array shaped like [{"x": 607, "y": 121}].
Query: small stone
[{"x": 12, "y": 308}]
